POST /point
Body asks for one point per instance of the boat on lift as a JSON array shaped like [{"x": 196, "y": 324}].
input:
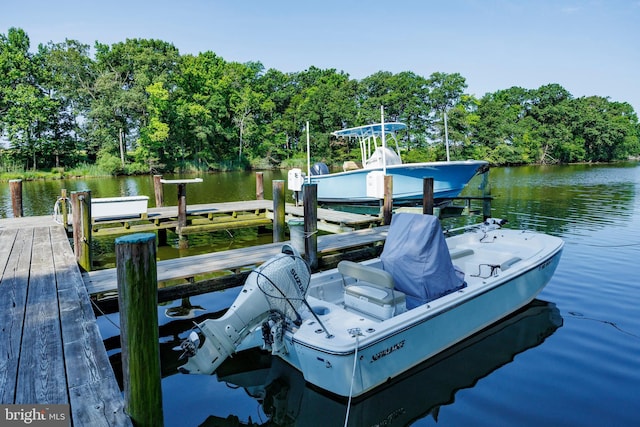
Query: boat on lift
[
  {"x": 351, "y": 329},
  {"x": 365, "y": 184}
]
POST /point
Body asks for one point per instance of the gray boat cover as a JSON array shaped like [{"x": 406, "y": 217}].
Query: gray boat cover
[{"x": 417, "y": 257}]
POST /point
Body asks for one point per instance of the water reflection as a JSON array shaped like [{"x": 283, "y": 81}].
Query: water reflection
[{"x": 287, "y": 400}]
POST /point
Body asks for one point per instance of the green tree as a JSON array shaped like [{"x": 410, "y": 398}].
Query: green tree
[
  {"x": 607, "y": 130},
  {"x": 403, "y": 95},
  {"x": 445, "y": 92},
  {"x": 70, "y": 75},
  {"x": 27, "y": 112},
  {"x": 120, "y": 107},
  {"x": 326, "y": 99},
  {"x": 202, "y": 119}
]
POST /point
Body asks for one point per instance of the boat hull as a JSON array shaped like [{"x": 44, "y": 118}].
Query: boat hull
[
  {"x": 354, "y": 186},
  {"x": 119, "y": 207},
  {"x": 424, "y": 332}
]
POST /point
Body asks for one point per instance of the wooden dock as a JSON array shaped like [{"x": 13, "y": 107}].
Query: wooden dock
[
  {"x": 51, "y": 348},
  {"x": 210, "y": 217},
  {"x": 198, "y": 274},
  {"x": 52, "y": 351}
]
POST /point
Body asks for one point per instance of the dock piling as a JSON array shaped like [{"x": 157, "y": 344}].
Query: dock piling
[
  {"x": 15, "y": 186},
  {"x": 259, "y": 186},
  {"x": 427, "y": 196},
  {"x": 81, "y": 213},
  {"x": 387, "y": 204},
  {"x": 139, "y": 336},
  {"x": 183, "y": 241},
  {"x": 64, "y": 209},
  {"x": 158, "y": 191}
]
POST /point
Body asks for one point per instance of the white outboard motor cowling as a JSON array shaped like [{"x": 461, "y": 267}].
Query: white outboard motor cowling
[{"x": 279, "y": 285}]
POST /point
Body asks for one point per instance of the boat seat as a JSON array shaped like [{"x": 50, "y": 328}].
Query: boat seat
[
  {"x": 372, "y": 293},
  {"x": 365, "y": 273},
  {"x": 508, "y": 263}
]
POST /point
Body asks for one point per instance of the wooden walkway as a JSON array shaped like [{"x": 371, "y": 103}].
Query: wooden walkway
[
  {"x": 188, "y": 269},
  {"x": 51, "y": 351},
  {"x": 221, "y": 216}
]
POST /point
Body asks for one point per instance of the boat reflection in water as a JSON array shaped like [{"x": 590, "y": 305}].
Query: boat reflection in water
[{"x": 287, "y": 400}]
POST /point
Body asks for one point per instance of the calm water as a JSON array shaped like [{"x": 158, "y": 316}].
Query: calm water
[{"x": 570, "y": 359}]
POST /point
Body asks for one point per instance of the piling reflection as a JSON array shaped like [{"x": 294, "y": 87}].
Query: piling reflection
[{"x": 287, "y": 400}]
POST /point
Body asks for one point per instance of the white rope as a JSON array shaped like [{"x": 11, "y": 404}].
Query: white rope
[
  {"x": 56, "y": 209},
  {"x": 356, "y": 333}
]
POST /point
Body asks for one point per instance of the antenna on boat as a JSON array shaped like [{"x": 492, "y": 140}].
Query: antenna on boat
[
  {"x": 446, "y": 134},
  {"x": 384, "y": 145}
]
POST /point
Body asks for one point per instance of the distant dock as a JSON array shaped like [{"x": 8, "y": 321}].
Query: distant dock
[{"x": 203, "y": 218}]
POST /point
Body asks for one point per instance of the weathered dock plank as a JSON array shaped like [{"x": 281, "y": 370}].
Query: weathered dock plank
[
  {"x": 41, "y": 375},
  {"x": 92, "y": 385},
  {"x": 51, "y": 351},
  {"x": 13, "y": 288},
  {"x": 104, "y": 281}
]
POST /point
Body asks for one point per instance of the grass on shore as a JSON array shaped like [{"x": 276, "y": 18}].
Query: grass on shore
[{"x": 83, "y": 170}]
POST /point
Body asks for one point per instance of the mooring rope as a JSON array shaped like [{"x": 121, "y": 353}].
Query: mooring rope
[
  {"x": 56, "y": 209},
  {"x": 104, "y": 314},
  {"x": 355, "y": 333}
]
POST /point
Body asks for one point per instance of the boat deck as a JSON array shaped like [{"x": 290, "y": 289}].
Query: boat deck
[{"x": 52, "y": 351}]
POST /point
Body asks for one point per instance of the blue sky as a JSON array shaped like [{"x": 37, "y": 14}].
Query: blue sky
[{"x": 590, "y": 47}]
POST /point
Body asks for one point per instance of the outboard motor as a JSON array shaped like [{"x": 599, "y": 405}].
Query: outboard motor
[
  {"x": 319, "y": 168},
  {"x": 279, "y": 285}
]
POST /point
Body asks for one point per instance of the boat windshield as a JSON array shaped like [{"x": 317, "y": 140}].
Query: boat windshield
[
  {"x": 370, "y": 136},
  {"x": 378, "y": 159}
]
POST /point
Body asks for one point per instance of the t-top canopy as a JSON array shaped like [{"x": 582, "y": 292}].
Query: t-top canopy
[{"x": 369, "y": 130}]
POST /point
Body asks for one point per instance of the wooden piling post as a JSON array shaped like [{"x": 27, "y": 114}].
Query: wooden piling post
[
  {"x": 259, "y": 186},
  {"x": 278, "y": 210},
  {"x": 139, "y": 336},
  {"x": 64, "y": 208},
  {"x": 182, "y": 205},
  {"x": 427, "y": 196},
  {"x": 81, "y": 212},
  {"x": 15, "y": 186},
  {"x": 310, "y": 203},
  {"x": 158, "y": 190},
  {"x": 183, "y": 240},
  {"x": 387, "y": 205}
]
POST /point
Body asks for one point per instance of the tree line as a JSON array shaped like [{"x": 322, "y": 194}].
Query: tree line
[{"x": 139, "y": 106}]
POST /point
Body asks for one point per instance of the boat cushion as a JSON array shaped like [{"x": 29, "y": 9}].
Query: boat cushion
[
  {"x": 417, "y": 256},
  {"x": 381, "y": 303},
  {"x": 376, "y": 276}
]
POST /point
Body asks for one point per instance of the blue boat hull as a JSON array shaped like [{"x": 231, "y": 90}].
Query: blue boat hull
[{"x": 449, "y": 178}]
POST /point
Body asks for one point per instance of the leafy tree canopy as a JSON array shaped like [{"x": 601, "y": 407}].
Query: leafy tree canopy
[{"x": 139, "y": 105}]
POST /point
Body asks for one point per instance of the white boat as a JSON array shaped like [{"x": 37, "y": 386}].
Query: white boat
[
  {"x": 354, "y": 328},
  {"x": 119, "y": 207},
  {"x": 365, "y": 185},
  {"x": 287, "y": 400}
]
